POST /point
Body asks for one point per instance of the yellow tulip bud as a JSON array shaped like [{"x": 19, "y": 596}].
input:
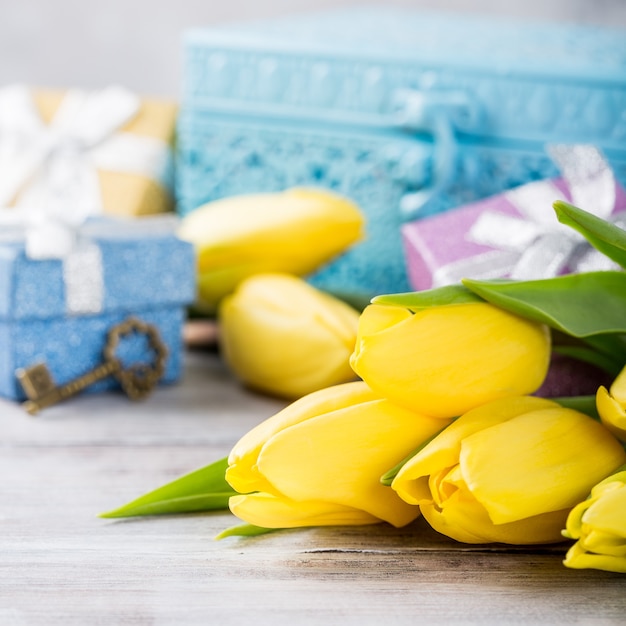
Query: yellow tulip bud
[
  {"x": 296, "y": 232},
  {"x": 444, "y": 361},
  {"x": 612, "y": 406},
  {"x": 282, "y": 336},
  {"x": 509, "y": 471},
  {"x": 319, "y": 461},
  {"x": 599, "y": 525}
]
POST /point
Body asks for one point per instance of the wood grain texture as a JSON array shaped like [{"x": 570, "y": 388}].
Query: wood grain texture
[{"x": 60, "y": 564}]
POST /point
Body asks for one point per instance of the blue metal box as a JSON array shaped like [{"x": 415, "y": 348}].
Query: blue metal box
[
  {"x": 408, "y": 113},
  {"x": 60, "y": 315}
]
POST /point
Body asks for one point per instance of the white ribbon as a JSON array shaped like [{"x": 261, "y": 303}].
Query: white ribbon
[
  {"x": 536, "y": 245},
  {"x": 54, "y": 167},
  {"x": 46, "y": 238}
]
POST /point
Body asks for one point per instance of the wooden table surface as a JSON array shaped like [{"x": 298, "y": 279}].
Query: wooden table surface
[{"x": 61, "y": 564}]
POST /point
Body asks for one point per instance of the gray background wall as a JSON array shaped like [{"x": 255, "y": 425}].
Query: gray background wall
[{"x": 90, "y": 43}]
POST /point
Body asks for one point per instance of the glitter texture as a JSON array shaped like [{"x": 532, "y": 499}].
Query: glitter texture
[{"x": 151, "y": 277}]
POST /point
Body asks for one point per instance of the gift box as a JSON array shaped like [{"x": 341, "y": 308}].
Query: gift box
[
  {"x": 59, "y": 311},
  {"x": 516, "y": 233},
  {"x": 105, "y": 151},
  {"x": 409, "y": 113}
]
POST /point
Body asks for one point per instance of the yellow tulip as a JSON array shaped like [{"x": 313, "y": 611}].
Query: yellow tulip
[
  {"x": 612, "y": 406},
  {"x": 282, "y": 336},
  {"x": 444, "y": 361},
  {"x": 319, "y": 461},
  {"x": 599, "y": 525},
  {"x": 295, "y": 231},
  {"x": 509, "y": 471}
]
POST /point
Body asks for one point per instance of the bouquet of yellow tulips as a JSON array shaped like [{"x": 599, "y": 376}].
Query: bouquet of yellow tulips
[{"x": 443, "y": 422}]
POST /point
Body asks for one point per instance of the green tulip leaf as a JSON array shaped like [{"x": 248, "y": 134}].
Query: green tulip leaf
[
  {"x": 582, "y": 404},
  {"x": 611, "y": 363},
  {"x": 205, "y": 489},
  {"x": 441, "y": 296},
  {"x": 245, "y": 530},
  {"x": 580, "y": 305},
  {"x": 602, "y": 235}
]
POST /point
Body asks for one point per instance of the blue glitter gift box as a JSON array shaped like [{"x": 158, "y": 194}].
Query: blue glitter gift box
[
  {"x": 59, "y": 311},
  {"x": 407, "y": 112}
]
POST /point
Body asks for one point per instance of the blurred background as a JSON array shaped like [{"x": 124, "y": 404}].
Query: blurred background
[{"x": 87, "y": 43}]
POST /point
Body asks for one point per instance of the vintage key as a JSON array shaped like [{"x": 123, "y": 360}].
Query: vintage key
[{"x": 137, "y": 380}]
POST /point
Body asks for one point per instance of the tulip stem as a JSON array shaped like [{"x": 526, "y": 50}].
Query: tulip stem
[
  {"x": 387, "y": 478},
  {"x": 245, "y": 530},
  {"x": 583, "y": 404},
  {"x": 607, "y": 364}
]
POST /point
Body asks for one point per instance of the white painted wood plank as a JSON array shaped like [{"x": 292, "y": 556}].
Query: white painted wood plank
[
  {"x": 60, "y": 564},
  {"x": 208, "y": 406}
]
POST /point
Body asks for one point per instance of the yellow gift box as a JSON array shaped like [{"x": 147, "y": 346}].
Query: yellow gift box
[{"x": 139, "y": 189}]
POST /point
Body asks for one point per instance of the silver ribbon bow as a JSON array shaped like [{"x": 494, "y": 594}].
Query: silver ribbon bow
[{"x": 536, "y": 245}]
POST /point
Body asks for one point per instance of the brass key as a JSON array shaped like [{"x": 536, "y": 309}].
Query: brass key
[{"x": 137, "y": 380}]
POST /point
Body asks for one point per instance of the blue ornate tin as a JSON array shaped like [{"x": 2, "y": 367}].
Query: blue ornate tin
[{"x": 408, "y": 113}]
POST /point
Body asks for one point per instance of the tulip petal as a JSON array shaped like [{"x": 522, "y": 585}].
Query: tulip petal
[
  {"x": 464, "y": 519},
  {"x": 284, "y": 337},
  {"x": 599, "y": 524},
  {"x": 376, "y": 319},
  {"x": 444, "y": 361},
  {"x": 288, "y": 297},
  {"x": 578, "y": 558},
  {"x": 542, "y": 461},
  {"x": 604, "y": 543},
  {"x": 295, "y": 231},
  {"x": 242, "y": 473},
  {"x": 612, "y": 413},
  {"x": 339, "y": 457},
  {"x": 443, "y": 452},
  {"x": 263, "y": 509},
  {"x": 618, "y": 388},
  {"x": 607, "y": 512},
  {"x": 574, "y": 523}
]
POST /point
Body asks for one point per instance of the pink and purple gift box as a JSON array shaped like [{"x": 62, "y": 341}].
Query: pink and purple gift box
[{"x": 493, "y": 237}]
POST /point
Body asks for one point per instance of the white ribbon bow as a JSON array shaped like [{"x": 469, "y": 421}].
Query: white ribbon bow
[
  {"x": 53, "y": 167},
  {"x": 536, "y": 245}
]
